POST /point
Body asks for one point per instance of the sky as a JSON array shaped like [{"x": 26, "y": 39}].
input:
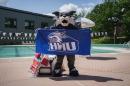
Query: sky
[{"x": 49, "y": 6}]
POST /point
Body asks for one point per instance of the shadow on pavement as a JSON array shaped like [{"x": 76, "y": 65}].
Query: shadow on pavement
[
  {"x": 101, "y": 58},
  {"x": 86, "y": 77},
  {"x": 44, "y": 75}
]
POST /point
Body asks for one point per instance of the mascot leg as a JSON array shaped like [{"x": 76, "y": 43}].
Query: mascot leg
[
  {"x": 57, "y": 72},
  {"x": 72, "y": 69}
]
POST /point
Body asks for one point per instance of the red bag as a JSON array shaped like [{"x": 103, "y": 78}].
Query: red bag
[
  {"x": 35, "y": 66},
  {"x": 40, "y": 63},
  {"x": 45, "y": 61}
]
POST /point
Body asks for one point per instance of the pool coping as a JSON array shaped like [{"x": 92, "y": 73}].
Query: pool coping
[{"x": 117, "y": 51}]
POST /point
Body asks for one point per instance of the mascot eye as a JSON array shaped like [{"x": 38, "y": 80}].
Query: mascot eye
[
  {"x": 61, "y": 14},
  {"x": 68, "y": 15}
]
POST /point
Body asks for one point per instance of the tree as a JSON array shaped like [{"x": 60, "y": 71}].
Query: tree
[{"x": 111, "y": 15}]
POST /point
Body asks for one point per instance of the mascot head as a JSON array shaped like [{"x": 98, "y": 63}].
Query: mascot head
[{"x": 64, "y": 19}]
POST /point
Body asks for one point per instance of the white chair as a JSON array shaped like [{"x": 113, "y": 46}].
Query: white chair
[
  {"x": 106, "y": 34},
  {"x": 92, "y": 35}
]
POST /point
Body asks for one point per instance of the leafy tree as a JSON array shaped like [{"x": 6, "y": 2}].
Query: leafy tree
[{"x": 110, "y": 15}]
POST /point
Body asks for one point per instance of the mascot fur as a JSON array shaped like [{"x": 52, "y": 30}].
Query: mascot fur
[{"x": 65, "y": 20}]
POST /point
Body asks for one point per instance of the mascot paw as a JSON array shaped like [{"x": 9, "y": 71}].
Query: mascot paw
[
  {"x": 74, "y": 72},
  {"x": 57, "y": 73}
]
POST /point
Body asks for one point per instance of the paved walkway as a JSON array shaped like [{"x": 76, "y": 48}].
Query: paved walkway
[{"x": 98, "y": 70}]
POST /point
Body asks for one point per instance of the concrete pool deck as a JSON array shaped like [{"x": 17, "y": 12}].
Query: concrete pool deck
[{"x": 98, "y": 70}]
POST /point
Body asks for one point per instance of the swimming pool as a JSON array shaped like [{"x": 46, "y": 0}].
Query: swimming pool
[{"x": 9, "y": 51}]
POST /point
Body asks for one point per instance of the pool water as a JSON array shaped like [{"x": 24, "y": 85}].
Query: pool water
[
  {"x": 8, "y": 51},
  {"x": 16, "y": 51},
  {"x": 93, "y": 51},
  {"x": 111, "y": 45}
]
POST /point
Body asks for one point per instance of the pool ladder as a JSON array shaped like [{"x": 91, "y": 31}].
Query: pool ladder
[{"x": 126, "y": 44}]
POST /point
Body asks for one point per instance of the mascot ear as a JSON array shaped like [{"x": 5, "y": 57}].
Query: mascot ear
[
  {"x": 56, "y": 13},
  {"x": 72, "y": 12}
]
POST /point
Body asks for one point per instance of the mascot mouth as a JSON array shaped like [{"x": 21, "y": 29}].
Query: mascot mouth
[{"x": 64, "y": 21}]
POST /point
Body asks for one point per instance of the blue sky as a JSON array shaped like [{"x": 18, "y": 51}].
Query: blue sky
[{"x": 47, "y": 6}]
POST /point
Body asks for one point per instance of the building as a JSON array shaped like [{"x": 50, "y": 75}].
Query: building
[
  {"x": 14, "y": 20},
  {"x": 15, "y": 23}
]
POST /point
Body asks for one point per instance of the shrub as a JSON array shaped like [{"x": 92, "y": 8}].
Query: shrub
[{"x": 102, "y": 40}]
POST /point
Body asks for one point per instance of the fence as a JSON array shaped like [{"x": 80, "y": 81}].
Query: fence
[
  {"x": 29, "y": 38},
  {"x": 99, "y": 34},
  {"x": 17, "y": 38}
]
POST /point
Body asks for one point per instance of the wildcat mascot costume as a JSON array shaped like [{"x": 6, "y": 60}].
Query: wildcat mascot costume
[{"x": 65, "y": 20}]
